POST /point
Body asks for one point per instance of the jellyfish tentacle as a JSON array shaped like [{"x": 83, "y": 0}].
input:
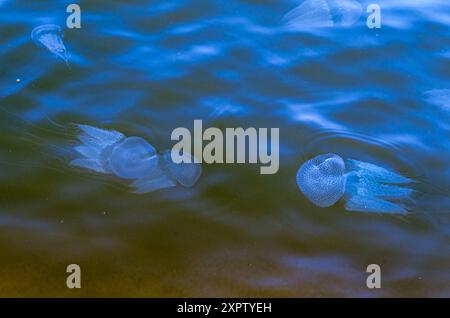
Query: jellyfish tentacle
[
  {"x": 88, "y": 164},
  {"x": 87, "y": 151},
  {"x": 368, "y": 195},
  {"x": 371, "y": 188},
  {"x": 390, "y": 191},
  {"x": 322, "y": 14},
  {"x": 373, "y": 204},
  {"x": 90, "y": 142},
  {"x": 375, "y": 172},
  {"x": 95, "y": 145},
  {"x": 111, "y": 136},
  {"x": 153, "y": 181},
  {"x": 347, "y": 11},
  {"x": 374, "y": 188},
  {"x": 311, "y": 13}
]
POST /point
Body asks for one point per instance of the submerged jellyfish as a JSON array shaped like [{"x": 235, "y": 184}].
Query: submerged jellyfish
[
  {"x": 50, "y": 36},
  {"x": 186, "y": 174},
  {"x": 131, "y": 158},
  {"x": 323, "y": 13},
  {"x": 365, "y": 187}
]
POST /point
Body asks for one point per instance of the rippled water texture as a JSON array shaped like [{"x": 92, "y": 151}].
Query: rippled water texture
[{"x": 146, "y": 67}]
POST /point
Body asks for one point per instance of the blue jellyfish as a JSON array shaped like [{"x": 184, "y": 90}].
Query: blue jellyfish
[
  {"x": 132, "y": 158},
  {"x": 364, "y": 187},
  {"x": 185, "y": 173},
  {"x": 323, "y": 13},
  {"x": 50, "y": 36}
]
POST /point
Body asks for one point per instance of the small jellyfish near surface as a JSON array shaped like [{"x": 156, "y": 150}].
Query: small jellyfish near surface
[
  {"x": 323, "y": 13},
  {"x": 322, "y": 179},
  {"x": 131, "y": 158},
  {"x": 364, "y": 187},
  {"x": 186, "y": 173},
  {"x": 50, "y": 36}
]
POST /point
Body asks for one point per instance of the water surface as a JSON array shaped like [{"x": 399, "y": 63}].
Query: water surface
[{"x": 147, "y": 67}]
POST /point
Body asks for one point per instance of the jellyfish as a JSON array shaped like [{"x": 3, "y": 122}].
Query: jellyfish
[
  {"x": 186, "y": 173},
  {"x": 50, "y": 36},
  {"x": 364, "y": 187},
  {"x": 133, "y": 159},
  {"x": 323, "y": 13}
]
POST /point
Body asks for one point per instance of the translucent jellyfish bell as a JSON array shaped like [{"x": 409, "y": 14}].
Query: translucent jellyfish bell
[
  {"x": 50, "y": 36},
  {"x": 131, "y": 158},
  {"x": 364, "y": 187},
  {"x": 186, "y": 173},
  {"x": 323, "y": 13}
]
